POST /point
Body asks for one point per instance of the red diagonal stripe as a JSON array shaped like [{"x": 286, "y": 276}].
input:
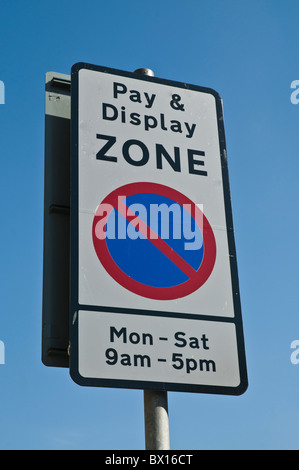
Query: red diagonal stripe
[{"x": 158, "y": 242}]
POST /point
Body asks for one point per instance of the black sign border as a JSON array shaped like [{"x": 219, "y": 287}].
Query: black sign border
[{"x": 75, "y": 307}]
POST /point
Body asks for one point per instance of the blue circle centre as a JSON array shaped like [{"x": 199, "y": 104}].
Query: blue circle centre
[{"x": 137, "y": 256}]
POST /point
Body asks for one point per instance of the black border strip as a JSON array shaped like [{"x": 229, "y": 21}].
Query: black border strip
[
  {"x": 156, "y": 313},
  {"x": 74, "y": 305}
]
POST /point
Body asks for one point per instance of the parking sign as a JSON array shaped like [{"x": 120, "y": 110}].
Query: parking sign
[{"x": 154, "y": 286}]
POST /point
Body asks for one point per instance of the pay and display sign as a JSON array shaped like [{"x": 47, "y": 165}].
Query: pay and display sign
[{"x": 154, "y": 287}]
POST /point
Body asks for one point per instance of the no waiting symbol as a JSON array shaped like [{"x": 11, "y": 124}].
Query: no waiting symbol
[{"x": 154, "y": 241}]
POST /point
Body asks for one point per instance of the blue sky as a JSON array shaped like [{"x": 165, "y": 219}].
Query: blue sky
[{"x": 247, "y": 51}]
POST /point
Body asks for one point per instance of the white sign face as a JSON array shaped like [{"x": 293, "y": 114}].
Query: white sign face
[
  {"x": 152, "y": 236},
  {"x": 155, "y": 349}
]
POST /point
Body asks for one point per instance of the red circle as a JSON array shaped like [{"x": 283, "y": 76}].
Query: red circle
[{"x": 159, "y": 293}]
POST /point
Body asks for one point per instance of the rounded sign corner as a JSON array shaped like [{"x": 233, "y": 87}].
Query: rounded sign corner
[
  {"x": 242, "y": 388},
  {"x": 214, "y": 93},
  {"x": 77, "y": 377},
  {"x": 78, "y": 66}
]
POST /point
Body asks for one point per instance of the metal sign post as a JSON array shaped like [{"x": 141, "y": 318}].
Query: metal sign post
[{"x": 156, "y": 419}]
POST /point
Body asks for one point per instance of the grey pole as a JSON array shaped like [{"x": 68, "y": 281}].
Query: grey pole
[{"x": 156, "y": 420}]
